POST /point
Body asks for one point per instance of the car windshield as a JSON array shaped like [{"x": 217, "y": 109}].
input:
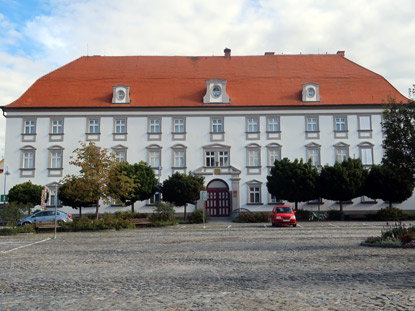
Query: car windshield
[{"x": 284, "y": 210}]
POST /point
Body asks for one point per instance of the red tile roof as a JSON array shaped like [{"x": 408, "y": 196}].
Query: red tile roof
[{"x": 179, "y": 81}]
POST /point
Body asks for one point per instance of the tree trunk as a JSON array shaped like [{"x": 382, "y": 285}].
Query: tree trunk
[
  {"x": 341, "y": 211},
  {"x": 390, "y": 204},
  {"x": 80, "y": 212},
  {"x": 97, "y": 209},
  {"x": 132, "y": 207},
  {"x": 296, "y": 206},
  {"x": 185, "y": 211}
]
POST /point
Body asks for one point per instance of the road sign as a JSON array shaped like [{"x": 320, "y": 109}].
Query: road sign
[{"x": 4, "y": 198}]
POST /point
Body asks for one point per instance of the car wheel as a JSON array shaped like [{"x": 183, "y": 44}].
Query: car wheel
[
  {"x": 26, "y": 223},
  {"x": 295, "y": 225},
  {"x": 273, "y": 223}
]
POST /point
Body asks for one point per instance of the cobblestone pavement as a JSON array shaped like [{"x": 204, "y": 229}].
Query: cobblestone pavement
[{"x": 316, "y": 266}]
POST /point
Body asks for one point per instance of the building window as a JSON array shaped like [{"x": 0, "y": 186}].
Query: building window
[
  {"x": 154, "y": 126},
  {"x": 365, "y": 126},
  {"x": 311, "y": 92},
  {"x": 56, "y": 159},
  {"x": 57, "y": 126},
  {"x": 312, "y": 127},
  {"x": 366, "y": 153},
  {"x": 216, "y": 155},
  {"x": 313, "y": 153},
  {"x": 154, "y": 157},
  {"x": 29, "y": 127},
  {"x": 274, "y": 200},
  {"x": 340, "y": 124},
  {"x": 312, "y": 124},
  {"x": 179, "y": 159},
  {"x": 178, "y": 126},
  {"x": 154, "y": 129},
  {"x": 274, "y": 153},
  {"x": 120, "y": 126},
  {"x": 154, "y": 198},
  {"x": 252, "y": 125},
  {"x": 254, "y": 192},
  {"x": 121, "y": 155},
  {"x": 253, "y": 159},
  {"x": 273, "y": 124},
  {"x": 341, "y": 151},
  {"x": 93, "y": 126},
  {"x": 217, "y": 125},
  {"x": 28, "y": 160}
]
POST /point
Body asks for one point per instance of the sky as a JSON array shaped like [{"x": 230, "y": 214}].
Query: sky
[{"x": 37, "y": 37}]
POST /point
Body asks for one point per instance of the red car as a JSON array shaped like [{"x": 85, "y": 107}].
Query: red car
[{"x": 283, "y": 215}]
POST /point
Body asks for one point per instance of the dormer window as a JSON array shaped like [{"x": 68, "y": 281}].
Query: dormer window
[
  {"x": 216, "y": 92},
  {"x": 121, "y": 94},
  {"x": 311, "y": 92}
]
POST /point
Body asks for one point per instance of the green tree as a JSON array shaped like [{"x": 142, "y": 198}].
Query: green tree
[
  {"x": 72, "y": 193},
  {"x": 96, "y": 171},
  {"x": 399, "y": 143},
  {"x": 26, "y": 193},
  {"x": 181, "y": 189},
  {"x": 389, "y": 184},
  {"x": 342, "y": 182},
  {"x": 293, "y": 181},
  {"x": 143, "y": 178}
]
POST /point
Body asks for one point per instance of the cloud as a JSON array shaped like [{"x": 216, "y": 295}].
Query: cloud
[{"x": 375, "y": 34}]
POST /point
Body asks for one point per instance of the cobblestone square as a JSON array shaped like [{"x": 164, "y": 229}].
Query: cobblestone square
[{"x": 226, "y": 266}]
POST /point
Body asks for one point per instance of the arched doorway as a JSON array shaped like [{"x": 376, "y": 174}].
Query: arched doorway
[{"x": 218, "y": 203}]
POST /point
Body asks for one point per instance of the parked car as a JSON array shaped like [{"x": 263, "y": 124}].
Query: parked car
[
  {"x": 283, "y": 215},
  {"x": 45, "y": 216}
]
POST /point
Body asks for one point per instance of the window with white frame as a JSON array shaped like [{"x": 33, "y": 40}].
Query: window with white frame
[
  {"x": 156, "y": 197},
  {"x": 254, "y": 192},
  {"x": 56, "y": 159},
  {"x": 216, "y": 156},
  {"x": 154, "y": 158},
  {"x": 93, "y": 126},
  {"x": 56, "y": 126},
  {"x": 366, "y": 153},
  {"x": 252, "y": 125},
  {"x": 253, "y": 157},
  {"x": 120, "y": 153},
  {"x": 312, "y": 124},
  {"x": 365, "y": 126},
  {"x": 273, "y": 124},
  {"x": 341, "y": 151},
  {"x": 217, "y": 125},
  {"x": 274, "y": 153},
  {"x": 179, "y": 157},
  {"x": 274, "y": 200},
  {"x": 154, "y": 125},
  {"x": 178, "y": 125},
  {"x": 28, "y": 159},
  {"x": 120, "y": 126},
  {"x": 313, "y": 153},
  {"x": 29, "y": 127},
  {"x": 340, "y": 124}
]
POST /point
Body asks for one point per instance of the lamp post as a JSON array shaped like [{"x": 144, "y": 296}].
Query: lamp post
[
  {"x": 56, "y": 206},
  {"x": 6, "y": 173}
]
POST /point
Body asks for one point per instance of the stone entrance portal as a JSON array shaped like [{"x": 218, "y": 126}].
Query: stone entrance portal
[{"x": 219, "y": 199}]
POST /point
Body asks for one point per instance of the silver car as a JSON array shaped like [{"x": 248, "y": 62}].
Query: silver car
[{"x": 45, "y": 216}]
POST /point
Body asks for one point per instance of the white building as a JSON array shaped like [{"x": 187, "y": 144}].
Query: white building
[{"x": 225, "y": 118}]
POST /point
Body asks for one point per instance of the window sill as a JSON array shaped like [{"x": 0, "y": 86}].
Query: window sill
[{"x": 250, "y": 204}]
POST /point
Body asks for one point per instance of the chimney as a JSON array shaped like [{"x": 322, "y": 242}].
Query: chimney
[
  {"x": 227, "y": 53},
  {"x": 340, "y": 53},
  {"x": 269, "y": 53}
]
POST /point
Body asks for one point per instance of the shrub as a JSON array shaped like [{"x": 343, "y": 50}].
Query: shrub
[
  {"x": 396, "y": 234},
  {"x": 248, "y": 217},
  {"x": 108, "y": 221},
  {"x": 197, "y": 217},
  {"x": 12, "y": 212},
  {"x": 23, "y": 229},
  {"x": 163, "y": 212},
  {"x": 392, "y": 214},
  {"x": 302, "y": 214}
]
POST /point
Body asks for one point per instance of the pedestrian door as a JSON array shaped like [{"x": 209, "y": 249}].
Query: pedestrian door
[{"x": 218, "y": 203}]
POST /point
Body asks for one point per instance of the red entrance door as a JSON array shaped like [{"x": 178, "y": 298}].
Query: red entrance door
[{"x": 218, "y": 203}]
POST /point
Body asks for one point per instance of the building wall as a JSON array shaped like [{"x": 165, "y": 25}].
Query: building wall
[{"x": 198, "y": 126}]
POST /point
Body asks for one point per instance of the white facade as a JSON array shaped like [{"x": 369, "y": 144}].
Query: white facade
[{"x": 301, "y": 134}]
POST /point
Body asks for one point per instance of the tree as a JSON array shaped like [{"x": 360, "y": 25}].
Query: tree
[
  {"x": 26, "y": 193},
  {"x": 342, "y": 182},
  {"x": 143, "y": 178},
  {"x": 181, "y": 189},
  {"x": 389, "y": 184},
  {"x": 293, "y": 181},
  {"x": 399, "y": 142},
  {"x": 72, "y": 193},
  {"x": 96, "y": 170}
]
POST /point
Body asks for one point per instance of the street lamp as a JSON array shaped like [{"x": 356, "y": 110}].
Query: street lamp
[{"x": 6, "y": 173}]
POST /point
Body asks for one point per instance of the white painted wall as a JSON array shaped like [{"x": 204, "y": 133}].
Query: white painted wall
[{"x": 293, "y": 141}]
